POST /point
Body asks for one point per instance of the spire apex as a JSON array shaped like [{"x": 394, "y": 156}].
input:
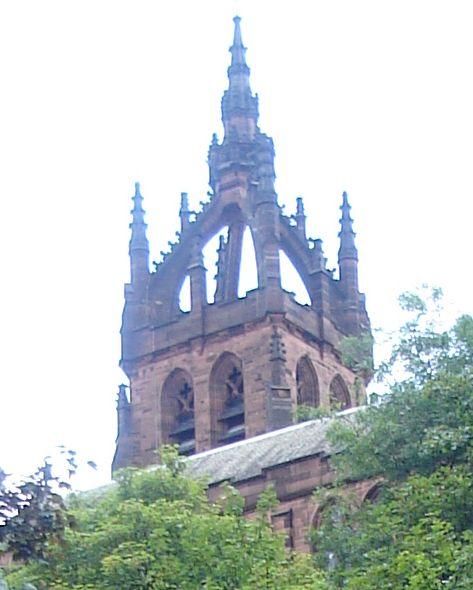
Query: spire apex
[
  {"x": 239, "y": 106},
  {"x": 237, "y": 49}
]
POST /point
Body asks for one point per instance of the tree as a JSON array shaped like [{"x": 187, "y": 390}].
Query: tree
[
  {"x": 156, "y": 530},
  {"x": 33, "y": 512},
  {"x": 419, "y": 443}
]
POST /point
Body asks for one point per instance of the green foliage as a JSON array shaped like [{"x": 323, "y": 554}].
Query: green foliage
[
  {"x": 417, "y": 534},
  {"x": 427, "y": 419},
  {"x": 32, "y": 512},
  {"x": 357, "y": 354},
  {"x": 156, "y": 530},
  {"x": 419, "y": 443}
]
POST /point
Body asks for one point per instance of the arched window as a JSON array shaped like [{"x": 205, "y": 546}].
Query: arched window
[
  {"x": 227, "y": 399},
  {"x": 177, "y": 411},
  {"x": 307, "y": 383},
  {"x": 339, "y": 394}
]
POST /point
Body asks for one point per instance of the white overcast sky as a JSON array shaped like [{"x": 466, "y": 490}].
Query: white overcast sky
[{"x": 374, "y": 97}]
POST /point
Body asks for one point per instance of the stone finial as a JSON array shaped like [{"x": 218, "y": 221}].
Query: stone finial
[
  {"x": 184, "y": 212},
  {"x": 299, "y": 206},
  {"x": 237, "y": 49},
  {"x": 300, "y": 217}
]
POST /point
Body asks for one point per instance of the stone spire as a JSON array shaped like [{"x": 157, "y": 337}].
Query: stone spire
[
  {"x": 239, "y": 106},
  {"x": 347, "y": 248},
  {"x": 139, "y": 247}
]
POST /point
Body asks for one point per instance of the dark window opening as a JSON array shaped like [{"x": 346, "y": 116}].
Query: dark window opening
[
  {"x": 233, "y": 415},
  {"x": 183, "y": 432},
  {"x": 339, "y": 394},
  {"x": 177, "y": 411},
  {"x": 307, "y": 383}
]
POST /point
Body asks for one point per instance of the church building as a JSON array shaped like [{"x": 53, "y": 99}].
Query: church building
[{"x": 224, "y": 380}]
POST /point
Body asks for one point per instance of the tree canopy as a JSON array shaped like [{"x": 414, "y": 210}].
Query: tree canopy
[
  {"x": 157, "y": 530},
  {"x": 418, "y": 444}
]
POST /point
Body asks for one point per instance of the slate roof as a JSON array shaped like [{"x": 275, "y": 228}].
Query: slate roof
[{"x": 248, "y": 458}]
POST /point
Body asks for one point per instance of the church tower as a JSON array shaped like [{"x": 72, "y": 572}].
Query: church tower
[{"x": 240, "y": 366}]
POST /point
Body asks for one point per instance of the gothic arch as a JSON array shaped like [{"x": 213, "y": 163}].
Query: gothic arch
[
  {"x": 227, "y": 399},
  {"x": 307, "y": 383},
  {"x": 321, "y": 512},
  {"x": 326, "y": 511},
  {"x": 173, "y": 269},
  {"x": 339, "y": 394},
  {"x": 177, "y": 411}
]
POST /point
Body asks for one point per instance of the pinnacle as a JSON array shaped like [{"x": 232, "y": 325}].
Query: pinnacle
[
  {"x": 346, "y": 235},
  {"x": 138, "y": 226},
  {"x": 137, "y": 200}
]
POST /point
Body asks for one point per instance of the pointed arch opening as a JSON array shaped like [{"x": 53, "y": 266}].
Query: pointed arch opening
[
  {"x": 291, "y": 280},
  {"x": 177, "y": 411},
  {"x": 307, "y": 383},
  {"x": 185, "y": 295},
  {"x": 213, "y": 260},
  {"x": 248, "y": 278},
  {"x": 227, "y": 398},
  {"x": 339, "y": 394}
]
